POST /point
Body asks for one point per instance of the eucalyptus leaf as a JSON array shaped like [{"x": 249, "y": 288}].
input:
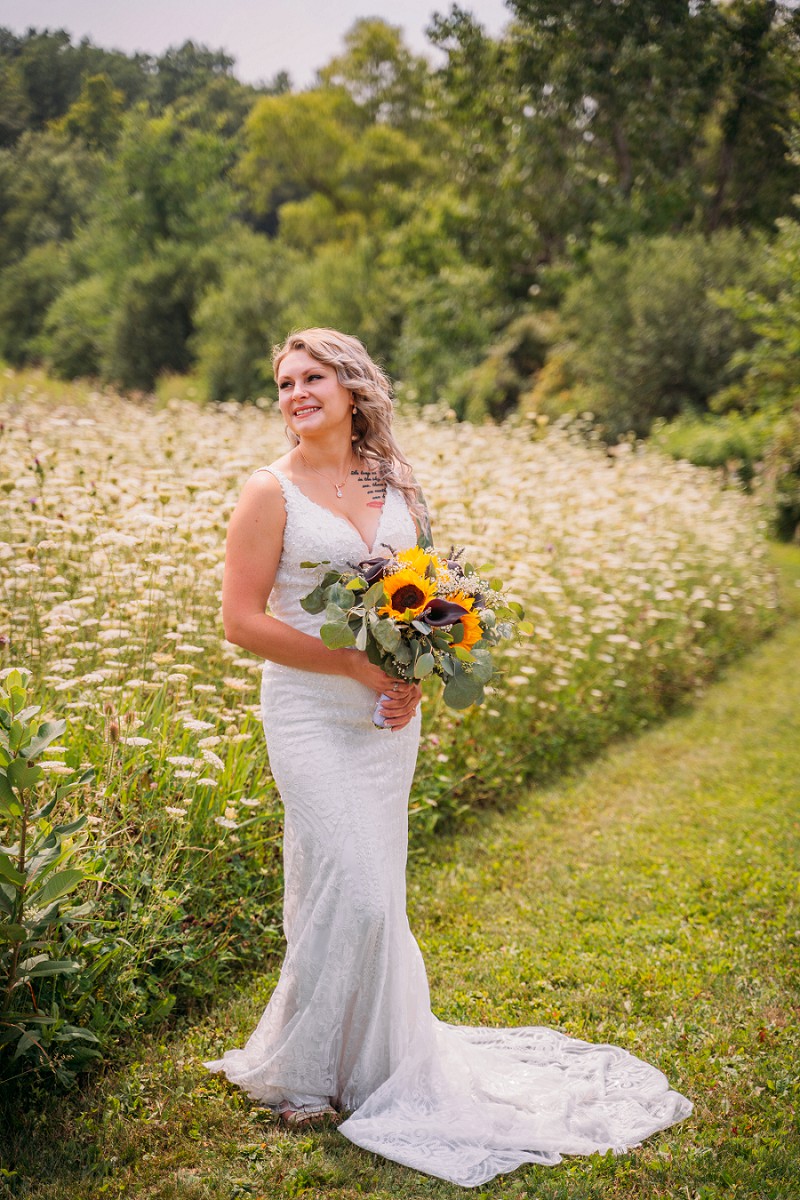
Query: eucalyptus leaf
[
  {"x": 341, "y": 597},
  {"x": 314, "y": 602},
  {"x": 482, "y": 667},
  {"x": 387, "y": 635},
  {"x": 337, "y": 635},
  {"x": 374, "y": 595},
  {"x": 424, "y": 665},
  {"x": 461, "y": 691}
]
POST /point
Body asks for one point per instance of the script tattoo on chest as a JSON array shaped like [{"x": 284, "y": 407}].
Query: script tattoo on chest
[{"x": 373, "y": 485}]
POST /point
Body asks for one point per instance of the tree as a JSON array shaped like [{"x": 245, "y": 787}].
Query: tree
[
  {"x": 45, "y": 188},
  {"x": 185, "y": 70},
  {"x": 96, "y": 116},
  {"x": 772, "y": 313},
  {"x": 294, "y": 145},
  {"x": 27, "y": 288},
  {"x": 752, "y": 175},
  {"x": 156, "y": 240},
  {"x": 383, "y": 77},
  {"x": 628, "y": 80}
]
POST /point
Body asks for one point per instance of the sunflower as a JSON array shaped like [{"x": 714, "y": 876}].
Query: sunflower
[
  {"x": 420, "y": 560},
  {"x": 407, "y": 593},
  {"x": 470, "y": 621}
]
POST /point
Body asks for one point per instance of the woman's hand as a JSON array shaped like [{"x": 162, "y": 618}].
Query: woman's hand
[
  {"x": 400, "y": 704},
  {"x": 402, "y": 698}
]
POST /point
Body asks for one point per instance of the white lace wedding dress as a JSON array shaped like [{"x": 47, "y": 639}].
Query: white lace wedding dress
[{"x": 350, "y": 1020}]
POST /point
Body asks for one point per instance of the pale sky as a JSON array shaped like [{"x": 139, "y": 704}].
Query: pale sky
[{"x": 264, "y": 36}]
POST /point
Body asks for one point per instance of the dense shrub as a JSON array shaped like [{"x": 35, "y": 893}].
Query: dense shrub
[
  {"x": 734, "y": 441},
  {"x": 76, "y": 329},
  {"x": 771, "y": 364},
  {"x": 153, "y": 317},
  {"x": 647, "y": 337},
  {"x": 782, "y": 475},
  {"x": 494, "y": 387},
  {"x": 237, "y": 322},
  {"x": 27, "y": 289},
  {"x": 448, "y": 324}
]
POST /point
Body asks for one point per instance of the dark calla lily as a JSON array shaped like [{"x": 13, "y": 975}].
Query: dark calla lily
[
  {"x": 442, "y": 612},
  {"x": 372, "y": 569}
]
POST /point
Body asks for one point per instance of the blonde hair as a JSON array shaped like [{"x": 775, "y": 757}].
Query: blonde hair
[{"x": 371, "y": 390}]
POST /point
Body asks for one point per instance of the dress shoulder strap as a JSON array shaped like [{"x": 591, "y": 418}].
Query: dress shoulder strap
[{"x": 281, "y": 478}]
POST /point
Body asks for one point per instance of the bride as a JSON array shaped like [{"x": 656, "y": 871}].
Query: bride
[{"x": 349, "y": 1026}]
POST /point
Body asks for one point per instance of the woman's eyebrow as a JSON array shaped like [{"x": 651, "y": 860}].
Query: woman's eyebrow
[{"x": 308, "y": 371}]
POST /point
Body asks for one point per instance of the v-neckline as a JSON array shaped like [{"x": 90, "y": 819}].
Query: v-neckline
[{"x": 339, "y": 517}]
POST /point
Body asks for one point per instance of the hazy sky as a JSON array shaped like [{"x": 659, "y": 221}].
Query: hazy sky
[{"x": 264, "y": 36}]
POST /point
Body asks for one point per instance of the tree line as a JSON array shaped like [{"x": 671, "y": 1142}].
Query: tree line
[{"x": 594, "y": 208}]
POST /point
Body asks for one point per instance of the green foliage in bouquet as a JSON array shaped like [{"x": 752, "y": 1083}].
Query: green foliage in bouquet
[{"x": 417, "y": 614}]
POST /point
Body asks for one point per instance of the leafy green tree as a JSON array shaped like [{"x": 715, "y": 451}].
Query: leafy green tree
[
  {"x": 385, "y": 80},
  {"x": 771, "y": 364},
  {"x": 480, "y": 111},
  {"x": 15, "y": 112},
  {"x": 76, "y": 328},
  {"x": 184, "y": 70},
  {"x": 167, "y": 182},
  {"x": 240, "y": 318},
  {"x": 449, "y": 322},
  {"x": 156, "y": 239},
  {"x": 27, "y": 288},
  {"x": 49, "y": 71},
  {"x": 751, "y": 174},
  {"x": 294, "y": 145},
  {"x": 96, "y": 116},
  {"x": 153, "y": 316},
  {"x": 46, "y": 184}
]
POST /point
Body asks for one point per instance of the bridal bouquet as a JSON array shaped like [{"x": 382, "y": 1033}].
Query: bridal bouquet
[{"x": 419, "y": 613}]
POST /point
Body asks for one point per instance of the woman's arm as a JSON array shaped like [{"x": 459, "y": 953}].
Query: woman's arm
[{"x": 252, "y": 554}]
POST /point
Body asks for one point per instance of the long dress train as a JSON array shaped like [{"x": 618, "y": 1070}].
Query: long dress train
[{"x": 350, "y": 1021}]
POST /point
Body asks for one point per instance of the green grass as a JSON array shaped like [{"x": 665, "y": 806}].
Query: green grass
[{"x": 650, "y": 899}]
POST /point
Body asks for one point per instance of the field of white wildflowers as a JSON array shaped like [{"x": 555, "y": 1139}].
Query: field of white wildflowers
[{"x": 640, "y": 576}]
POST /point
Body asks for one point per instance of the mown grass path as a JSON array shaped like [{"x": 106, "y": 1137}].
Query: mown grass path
[{"x": 650, "y": 900}]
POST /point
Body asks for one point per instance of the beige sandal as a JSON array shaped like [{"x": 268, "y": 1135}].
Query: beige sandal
[{"x": 295, "y": 1118}]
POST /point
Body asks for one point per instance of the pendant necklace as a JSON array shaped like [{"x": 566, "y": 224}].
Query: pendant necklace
[{"x": 333, "y": 482}]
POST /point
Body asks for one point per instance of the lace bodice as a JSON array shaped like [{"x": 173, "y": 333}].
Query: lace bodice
[{"x": 314, "y": 533}]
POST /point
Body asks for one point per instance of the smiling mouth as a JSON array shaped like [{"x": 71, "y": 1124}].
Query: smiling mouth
[{"x": 309, "y": 408}]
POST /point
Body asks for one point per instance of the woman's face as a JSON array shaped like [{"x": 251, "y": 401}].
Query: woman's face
[{"x": 310, "y": 396}]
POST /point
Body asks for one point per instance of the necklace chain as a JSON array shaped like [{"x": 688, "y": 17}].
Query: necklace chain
[{"x": 333, "y": 482}]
